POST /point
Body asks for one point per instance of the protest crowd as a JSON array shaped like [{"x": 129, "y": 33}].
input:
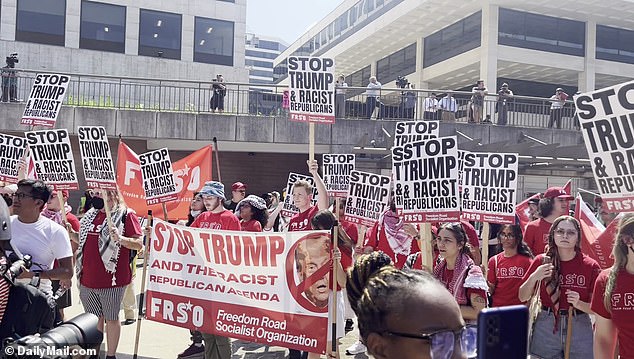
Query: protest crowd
[{"x": 420, "y": 260}]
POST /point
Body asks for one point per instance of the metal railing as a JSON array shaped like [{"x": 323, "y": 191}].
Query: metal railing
[{"x": 267, "y": 100}]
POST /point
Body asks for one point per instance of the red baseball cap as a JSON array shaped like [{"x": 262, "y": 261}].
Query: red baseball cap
[
  {"x": 238, "y": 186},
  {"x": 557, "y": 192}
]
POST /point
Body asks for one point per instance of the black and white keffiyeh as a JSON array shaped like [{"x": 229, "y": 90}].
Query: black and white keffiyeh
[{"x": 108, "y": 249}]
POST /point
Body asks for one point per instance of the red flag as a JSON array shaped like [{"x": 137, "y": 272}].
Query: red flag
[
  {"x": 596, "y": 240},
  {"x": 521, "y": 211},
  {"x": 190, "y": 174},
  {"x": 568, "y": 187}
]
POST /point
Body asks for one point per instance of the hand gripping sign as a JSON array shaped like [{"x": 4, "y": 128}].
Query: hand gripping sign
[
  {"x": 337, "y": 168},
  {"x": 45, "y": 100},
  {"x": 96, "y": 157},
  {"x": 607, "y": 124},
  {"x": 53, "y": 158},
  {"x": 367, "y": 198},
  {"x": 11, "y": 152},
  {"x": 158, "y": 177},
  {"x": 312, "y": 89}
]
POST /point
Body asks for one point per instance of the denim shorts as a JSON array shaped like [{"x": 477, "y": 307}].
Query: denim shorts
[{"x": 548, "y": 345}]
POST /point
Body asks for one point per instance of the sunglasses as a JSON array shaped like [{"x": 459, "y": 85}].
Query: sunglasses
[
  {"x": 21, "y": 196},
  {"x": 442, "y": 343}
]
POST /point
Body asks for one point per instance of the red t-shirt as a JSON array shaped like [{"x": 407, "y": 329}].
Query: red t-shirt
[
  {"x": 224, "y": 220},
  {"x": 622, "y": 314},
  {"x": 507, "y": 276},
  {"x": 94, "y": 274},
  {"x": 578, "y": 274},
  {"x": 472, "y": 234},
  {"x": 351, "y": 230},
  {"x": 377, "y": 239},
  {"x": 301, "y": 221},
  {"x": 251, "y": 226},
  {"x": 74, "y": 224},
  {"x": 536, "y": 235}
]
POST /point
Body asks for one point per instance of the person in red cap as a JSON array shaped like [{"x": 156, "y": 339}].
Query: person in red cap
[
  {"x": 238, "y": 192},
  {"x": 554, "y": 203}
]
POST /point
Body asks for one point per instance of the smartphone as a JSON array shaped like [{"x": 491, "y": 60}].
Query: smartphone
[{"x": 503, "y": 332}]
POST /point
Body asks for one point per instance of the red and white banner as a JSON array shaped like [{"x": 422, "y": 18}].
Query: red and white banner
[
  {"x": 522, "y": 211},
  {"x": 11, "y": 153},
  {"x": 45, "y": 100},
  {"x": 96, "y": 158},
  {"x": 256, "y": 287},
  {"x": 596, "y": 240},
  {"x": 190, "y": 173},
  {"x": 52, "y": 155}
]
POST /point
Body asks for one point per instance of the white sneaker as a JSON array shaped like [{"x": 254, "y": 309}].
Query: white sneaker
[{"x": 356, "y": 348}]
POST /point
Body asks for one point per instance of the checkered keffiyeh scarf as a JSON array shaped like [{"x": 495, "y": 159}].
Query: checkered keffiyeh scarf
[{"x": 108, "y": 249}]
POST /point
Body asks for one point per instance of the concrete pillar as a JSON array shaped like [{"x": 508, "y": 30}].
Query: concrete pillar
[
  {"x": 419, "y": 82},
  {"x": 132, "y": 30},
  {"x": 489, "y": 47},
  {"x": 587, "y": 78},
  {"x": 73, "y": 24},
  {"x": 8, "y": 19},
  {"x": 187, "y": 39}
]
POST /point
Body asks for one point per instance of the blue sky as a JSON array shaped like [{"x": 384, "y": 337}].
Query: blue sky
[{"x": 286, "y": 19}]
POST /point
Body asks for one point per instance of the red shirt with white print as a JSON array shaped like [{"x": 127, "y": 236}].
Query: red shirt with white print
[
  {"x": 224, "y": 220},
  {"x": 507, "y": 274}
]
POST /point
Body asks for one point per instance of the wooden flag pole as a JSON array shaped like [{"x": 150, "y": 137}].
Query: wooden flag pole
[
  {"x": 164, "y": 211},
  {"x": 427, "y": 249},
  {"x": 486, "y": 228},
  {"x": 216, "y": 151},
  {"x": 142, "y": 292},
  {"x": 335, "y": 269}
]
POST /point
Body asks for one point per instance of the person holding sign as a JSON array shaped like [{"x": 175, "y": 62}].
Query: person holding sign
[
  {"x": 554, "y": 203},
  {"x": 252, "y": 213},
  {"x": 103, "y": 260},
  {"x": 458, "y": 273},
  {"x": 406, "y": 314},
  {"x": 566, "y": 291},
  {"x": 507, "y": 268},
  {"x": 614, "y": 311}
]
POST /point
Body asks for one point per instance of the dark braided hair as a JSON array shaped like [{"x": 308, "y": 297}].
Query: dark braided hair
[{"x": 376, "y": 289}]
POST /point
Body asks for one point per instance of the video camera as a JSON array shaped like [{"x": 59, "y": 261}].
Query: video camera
[
  {"x": 402, "y": 82},
  {"x": 17, "y": 266},
  {"x": 12, "y": 59},
  {"x": 56, "y": 343}
]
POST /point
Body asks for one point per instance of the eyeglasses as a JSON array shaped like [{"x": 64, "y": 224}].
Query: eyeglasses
[
  {"x": 443, "y": 342},
  {"x": 626, "y": 238},
  {"x": 561, "y": 232},
  {"x": 506, "y": 235},
  {"x": 21, "y": 196}
]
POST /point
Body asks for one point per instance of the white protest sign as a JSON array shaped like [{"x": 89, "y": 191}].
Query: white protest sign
[
  {"x": 606, "y": 117},
  {"x": 289, "y": 209},
  {"x": 158, "y": 177},
  {"x": 45, "y": 100},
  {"x": 414, "y": 131},
  {"x": 53, "y": 158},
  {"x": 367, "y": 198},
  {"x": 96, "y": 157},
  {"x": 312, "y": 89},
  {"x": 11, "y": 152},
  {"x": 337, "y": 168},
  {"x": 426, "y": 174},
  {"x": 489, "y": 187}
]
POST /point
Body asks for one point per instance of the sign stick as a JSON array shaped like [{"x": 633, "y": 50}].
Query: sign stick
[
  {"x": 216, "y": 150},
  {"x": 60, "y": 197},
  {"x": 427, "y": 250},
  {"x": 362, "y": 231},
  {"x": 311, "y": 141},
  {"x": 486, "y": 228},
  {"x": 164, "y": 211},
  {"x": 146, "y": 258},
  {"x": 335, "y": 269},
  {"x": 569, "y": 333},
  {"x": 107, "y": 209}
]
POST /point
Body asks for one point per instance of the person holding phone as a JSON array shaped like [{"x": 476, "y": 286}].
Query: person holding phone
[
  {"x": 567, "y": 282},
  {"x": 614, "y": 311},
  {"x": 507, "y": 268}
]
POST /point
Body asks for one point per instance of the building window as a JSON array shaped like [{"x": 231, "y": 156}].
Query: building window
[
  {"x": 453, "y": 40},
  {"x": 615, "y": 44},
  {"x": 261, "y": 73},
  {"x": 102, "y": 27},
  {"x": 160, "y": 34},
  {"x": 400, "y": 63},
  {"x": 41, "y": 21},
  {"x": 213, "y": 41},
  {"x": 249, "y": 62},
  {"x": 541, "y": 32},
  {"x": 262, "y": 54}
]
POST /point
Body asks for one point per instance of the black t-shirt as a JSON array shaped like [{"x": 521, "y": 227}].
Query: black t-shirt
[{"x": 230, "y": 205}]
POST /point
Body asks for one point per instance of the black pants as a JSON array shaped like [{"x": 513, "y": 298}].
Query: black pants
[{"x": 555, "y": 117}]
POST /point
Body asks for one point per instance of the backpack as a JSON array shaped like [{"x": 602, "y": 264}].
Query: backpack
[{"x": 29, "y": 311}]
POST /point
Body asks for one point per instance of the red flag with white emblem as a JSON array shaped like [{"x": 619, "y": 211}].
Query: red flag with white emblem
[{"x": 596, "y": 239}]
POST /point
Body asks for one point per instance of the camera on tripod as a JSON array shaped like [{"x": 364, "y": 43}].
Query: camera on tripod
[
  {"x": 12, "y": 59},
  {"x": 402, "y": 82}
]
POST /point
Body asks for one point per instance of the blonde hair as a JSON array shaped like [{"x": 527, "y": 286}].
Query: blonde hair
[{"x": 619, "y": 252}]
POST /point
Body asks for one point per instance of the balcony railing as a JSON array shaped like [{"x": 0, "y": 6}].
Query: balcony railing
[{"x": 267, "y": 100}]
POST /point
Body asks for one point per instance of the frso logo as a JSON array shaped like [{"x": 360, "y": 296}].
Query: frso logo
[{"x": 177, "y": 312}]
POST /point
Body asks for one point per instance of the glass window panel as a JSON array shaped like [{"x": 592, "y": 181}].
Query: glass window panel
[
  {"x": 102, "y": 27},
  {"x": 213, "y": 41},
  {"x": 41, "y": 21},
  {"x": 159, "y": 34}
]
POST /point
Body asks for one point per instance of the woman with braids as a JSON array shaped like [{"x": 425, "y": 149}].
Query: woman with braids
[
  {"x": 406, "y": 313},
  {"x": 457, "y": 272},
  {"x": 612, "y": 299},
  {"x": 567, "y": 283},
  {"x": 252, "y": 213},
  {"x": 507, "y": 268}
]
